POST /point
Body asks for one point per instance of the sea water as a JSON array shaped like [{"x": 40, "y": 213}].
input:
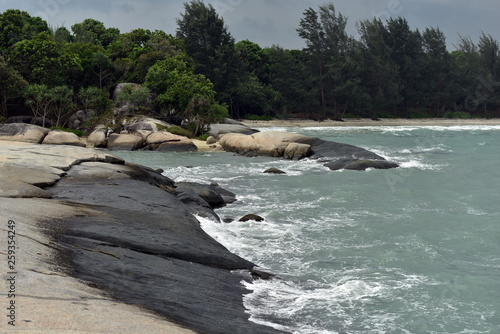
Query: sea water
[{"x": 409, "y": 250}]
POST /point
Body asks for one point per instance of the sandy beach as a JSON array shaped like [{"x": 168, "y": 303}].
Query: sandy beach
[{"x": 369, "y": 122}]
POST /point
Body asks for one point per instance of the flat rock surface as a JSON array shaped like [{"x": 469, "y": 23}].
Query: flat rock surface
[{"x": 113, "y": 250}]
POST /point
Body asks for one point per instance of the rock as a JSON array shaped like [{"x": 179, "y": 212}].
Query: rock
[
  {"x": 23, "y": 132},
  {"x": 79, "y": 117},
  {"x": 125, "y": 142},
  {"x": 197, "y": 205},
  {"x": 211, "y": 140},
  {"x": 97, "y": 138},
  {"x": 167, "y": 142},
  {"x": 327, "y": 150},
  {"x": 218, "y": 130},
  {"x": 271, "y": 143},
  {"x": 213, "y": 195},
  {"x": 296, "y": 151},
  {"x": 41, "y": 121},
  {"x": 20, "y": 119},
  {"x": 62, "y": 138},
  {"x": 119, "y": 88},
  {"x": 251, "y": 217},
  {"x": 360, "y": 164},
  {"x": 274, "y": 171}
]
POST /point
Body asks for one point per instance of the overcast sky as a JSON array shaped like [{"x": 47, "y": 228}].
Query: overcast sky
[{"x": 269, "y": 22}]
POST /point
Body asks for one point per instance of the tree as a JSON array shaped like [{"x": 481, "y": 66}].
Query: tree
[
  {"x": 61, "y": 102},
  {"x": 407, "y": 54},
  {"x": 438, "y": 68},
  {"x": 208, "y": 42},
  {"x": 336, "y": 42},
  {"x": 176, "y": 84},
  {"x": 43, "y": 61},
  {"x": 12, "y": 84},
  {"x": 136, "y": 96},
  {"x": 95, "y": 99},
  {"x": 16, "y": 26},
  {"x": 103, "y": 68},
  {"x": 381, "y": 73},
  {"x": 94, "y": 32},
  {"x": 312, "y": 32},
  {"x": 201, "y": 111},
  {"x": 39, "y": 99}
]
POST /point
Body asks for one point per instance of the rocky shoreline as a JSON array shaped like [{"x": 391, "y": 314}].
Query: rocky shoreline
[
  {"x": 124, "y": 229},
  {"x": 94, "y": 231}
]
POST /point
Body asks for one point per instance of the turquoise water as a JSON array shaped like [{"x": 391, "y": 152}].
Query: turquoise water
[{"x": 408, "y": 250}]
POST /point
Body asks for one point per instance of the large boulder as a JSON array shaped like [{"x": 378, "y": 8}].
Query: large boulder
[
  {"x": 271, "y": 143},
  {"x": 144, "y": 123},
  {"x": 97, "y": 138},
  {"x": 362, "y": 164},
  {"x": 167, "y": 142},
  {"x": 229, "y": 126},
  {"x": 125, "y": 142},
  {"x": 215, "y": 196},
  {"x": 79, "y": 117},
  {"x": 62, "y": 138},
  {"x": 23, "y": 132},
  {"x": 20, "y": 119}
]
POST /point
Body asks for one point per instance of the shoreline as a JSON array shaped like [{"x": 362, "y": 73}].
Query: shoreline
[{"x": 366, "y": 122}]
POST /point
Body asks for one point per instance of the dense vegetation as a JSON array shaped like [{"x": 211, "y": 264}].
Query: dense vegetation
[{"x": 203, "y": 74}]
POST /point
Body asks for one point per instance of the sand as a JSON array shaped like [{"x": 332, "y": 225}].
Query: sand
[{"x": 369, "y": 122}]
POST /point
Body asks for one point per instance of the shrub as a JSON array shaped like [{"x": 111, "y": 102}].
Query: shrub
[
  {"x": 79, "y": 133},
  {"x": 177, "y": 130},
  {"x": 457, "y": 114}
]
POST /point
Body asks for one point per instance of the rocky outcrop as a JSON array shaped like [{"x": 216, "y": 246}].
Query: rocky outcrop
[
  {"x": 79, "y": 117},
  {"x": 23, "y": 133},
  {"x": 117, "y": 225},
  {"x": 97, "y": 139},
  {"x": 62, "y": 138},
  {"x": 125, "y": 142},
  {"x": 167, "y": 142},
  {"x": 295, "y": 147},
  {"x": 229, "y": 126},
  {"x": 271, "y": 143}
]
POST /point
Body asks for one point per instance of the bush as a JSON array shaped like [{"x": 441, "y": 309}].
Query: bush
[
  {"x": 177, "y": 130},
  {"x": 252, "y": 117},
  {"x": 204, "y": 137},
  {"x": 79, "y": 133},
  {"x": 419, "y": 114},
  {"x": 457, "y": 115}
]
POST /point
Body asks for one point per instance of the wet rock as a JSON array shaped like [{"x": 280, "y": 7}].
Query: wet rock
[
  {"x": 274, "y": 171},
  {"x": 251, "y": 217},
  {"x": 215, "y": 196},
  {"x": 360, "y": 164}
]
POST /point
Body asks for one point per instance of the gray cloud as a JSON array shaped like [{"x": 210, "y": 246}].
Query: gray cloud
[{"x": 269, "y": 22}]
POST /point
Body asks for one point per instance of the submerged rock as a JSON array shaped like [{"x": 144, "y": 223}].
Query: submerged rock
[
  {"x": 251, "y": 217},
  {"x": 274, "y": 171}
]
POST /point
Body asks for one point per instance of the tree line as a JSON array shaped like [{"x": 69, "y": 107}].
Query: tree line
[{"x": 203, "y": 74}]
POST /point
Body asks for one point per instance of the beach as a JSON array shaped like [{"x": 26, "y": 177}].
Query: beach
[{"x": 369, "y": 122}]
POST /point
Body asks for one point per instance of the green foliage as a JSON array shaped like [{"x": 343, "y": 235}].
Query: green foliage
[
  {"x": 79, "y": 133},
  {"x": 252, "y": 117},
  {"x": 12, "y": 84},
  {"x": 204, "y": 137},
  {"x": 16, "y": 26},
  {"x": 95, "y": 99},
  {"x": 93, "y": 32},
  {"x": 43, "y": 61},
  {"x": 177, "y": 130},
  {"x": 137, "y": 96},
  {"x": 176, "y": 85},
  {"x": 201, "y": 111},
  {"x": 457, "y": 115}
]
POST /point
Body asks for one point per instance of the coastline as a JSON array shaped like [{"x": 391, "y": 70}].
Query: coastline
[
  {"x": 85, "y": 247},
  {"x": 365, "y": 122}
]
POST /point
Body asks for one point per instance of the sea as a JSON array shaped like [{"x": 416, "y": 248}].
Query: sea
[{"x": 414, "y": 249}]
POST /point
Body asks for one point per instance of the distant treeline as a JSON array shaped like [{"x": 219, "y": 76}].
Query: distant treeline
[{"x": 201, "y": 72}]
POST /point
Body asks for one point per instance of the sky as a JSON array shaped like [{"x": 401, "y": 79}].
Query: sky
[{"x": 272, "y": 22}]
